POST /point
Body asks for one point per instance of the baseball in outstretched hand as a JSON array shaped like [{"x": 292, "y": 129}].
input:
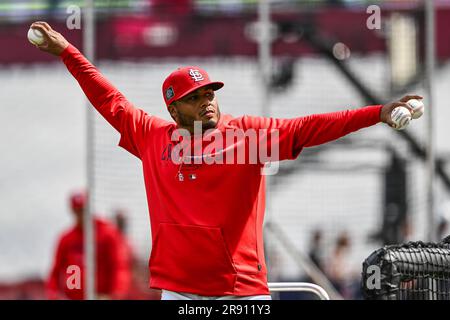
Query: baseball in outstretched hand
[
  {"x": 401, "y": 117},
  {"x": 417, "y": 106},
  {"x": 35, "y": 37},
  {"x": 387, "y": 113},
  {"x": 47, "y": 39}
]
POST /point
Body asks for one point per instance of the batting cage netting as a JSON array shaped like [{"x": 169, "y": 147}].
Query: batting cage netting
[{"x": 411, "y": 271}]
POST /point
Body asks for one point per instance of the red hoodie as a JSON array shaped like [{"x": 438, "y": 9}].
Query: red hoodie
[
  {"x": 206, "y": 220},
  {"x": 113, "y": 274}
]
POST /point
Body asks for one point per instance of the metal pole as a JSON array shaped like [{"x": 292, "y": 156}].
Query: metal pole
[
  {"x": 265, "y": 68},
  {"x": 88, "y": 221},
  {"x": 264, "y": 50},
  {"x": 430, "y": 57}
]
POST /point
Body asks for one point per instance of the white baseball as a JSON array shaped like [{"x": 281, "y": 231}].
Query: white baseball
[
  {"x": 417, "y": 106},
  {"x": 401, "y": 117},
  {"x": 35, "y": 37}
]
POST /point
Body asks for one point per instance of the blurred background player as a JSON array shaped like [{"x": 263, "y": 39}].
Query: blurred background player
[
  {"x": 113, "y": 258},
  {"x": 315, "y": 251},
  {"x": 339, "y": 269},
  {"x": 139, "y": 289}
]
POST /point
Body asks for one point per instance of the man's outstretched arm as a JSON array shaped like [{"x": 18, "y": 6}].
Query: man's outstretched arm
[
  {"x": 298, "y": 133},
  {"x": 132, "y": 123},
  {"x": 317, "y": 129},
  {"x": 101, "y": 93}
]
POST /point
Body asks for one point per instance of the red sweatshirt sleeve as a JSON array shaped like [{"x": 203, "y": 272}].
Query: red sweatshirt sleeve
[
  {"x": 53, "y": 286},
  {"x": 297, "y": 133},
  {"x": 133, "y": 124}
]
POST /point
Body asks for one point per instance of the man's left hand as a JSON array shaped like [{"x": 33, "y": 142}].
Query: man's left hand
[{"x": 385, "y": 115}]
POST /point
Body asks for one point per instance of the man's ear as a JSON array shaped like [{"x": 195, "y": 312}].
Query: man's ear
[{"x": 173, "y": 111}]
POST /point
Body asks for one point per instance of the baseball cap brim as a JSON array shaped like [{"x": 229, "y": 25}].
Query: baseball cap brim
[{"x": 215, "y": 85}]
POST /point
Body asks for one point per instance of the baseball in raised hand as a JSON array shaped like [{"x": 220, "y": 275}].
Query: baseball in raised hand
[{"x": 53, "y": 42}]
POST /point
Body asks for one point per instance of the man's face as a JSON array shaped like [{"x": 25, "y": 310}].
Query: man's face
[
  {"x": 78, "y": 214},
  {"x": 200, "y": 105}
]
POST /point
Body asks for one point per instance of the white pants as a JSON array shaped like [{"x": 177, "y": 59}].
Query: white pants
[{"x": 172, "y": 295}]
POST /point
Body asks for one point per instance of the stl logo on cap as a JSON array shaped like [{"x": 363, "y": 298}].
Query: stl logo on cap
[{"x": 196, "y": 75}]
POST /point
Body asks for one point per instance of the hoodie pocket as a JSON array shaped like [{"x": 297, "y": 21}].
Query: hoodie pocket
[{"x": 192, "y": 259}]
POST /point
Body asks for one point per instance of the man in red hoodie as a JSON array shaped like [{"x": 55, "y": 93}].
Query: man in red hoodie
[
  {"x": 113, "y": 259},
  {"x": 207, "y": 205}
]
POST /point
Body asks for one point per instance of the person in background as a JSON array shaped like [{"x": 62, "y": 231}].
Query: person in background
[
  {"x": 113, "y": 261},
  {"x": 442, "y": 228},
  {"x": 315, "y": 249},
  {"x": 139, "y": 289},
  {"x": 338, "y": 267}
]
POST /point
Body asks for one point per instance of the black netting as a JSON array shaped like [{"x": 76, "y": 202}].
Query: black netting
[{"x": 411, "y": 271}]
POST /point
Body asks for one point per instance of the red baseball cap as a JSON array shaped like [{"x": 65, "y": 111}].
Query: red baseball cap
[
  {"x": 185, "y": 80},
  {"x": 78, "y": 200}
]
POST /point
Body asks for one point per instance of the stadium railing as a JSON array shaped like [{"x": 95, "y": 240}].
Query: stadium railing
[{"x": 299, "y": 287}]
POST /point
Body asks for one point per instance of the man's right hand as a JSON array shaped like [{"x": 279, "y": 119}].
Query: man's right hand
[{"x": 54, "y": 43}]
